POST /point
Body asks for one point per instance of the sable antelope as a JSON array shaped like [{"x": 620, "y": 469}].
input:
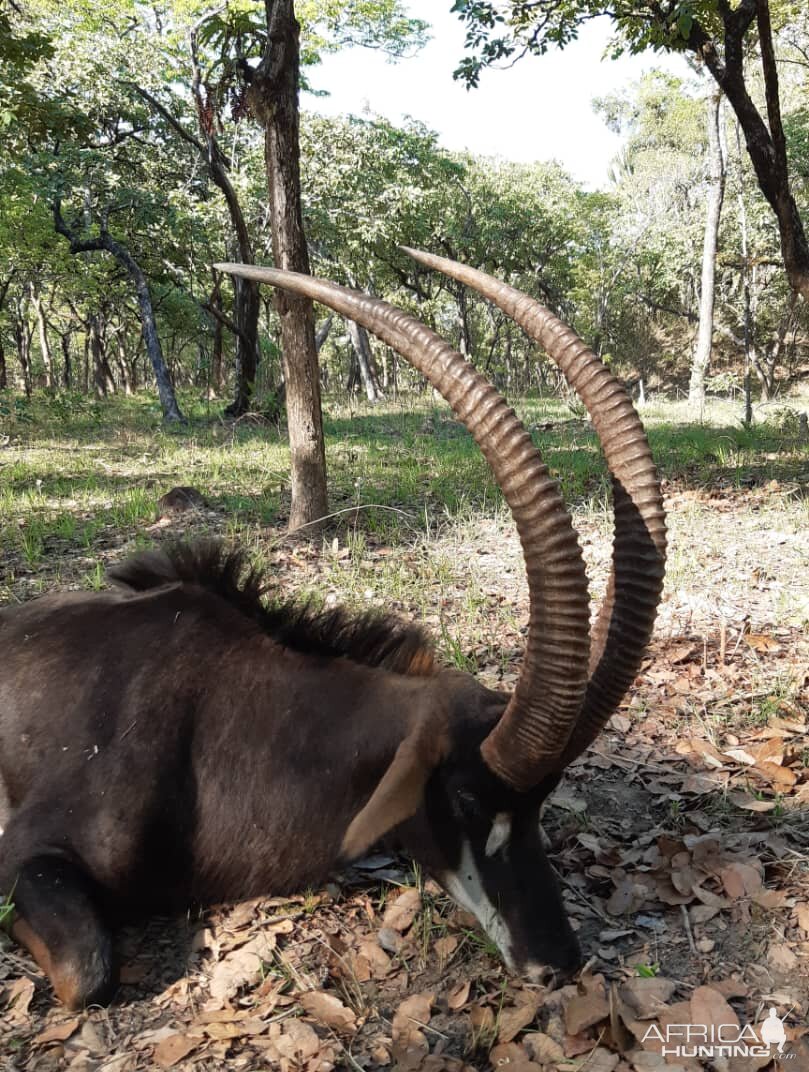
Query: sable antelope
[{"x": 179, "y": 740}]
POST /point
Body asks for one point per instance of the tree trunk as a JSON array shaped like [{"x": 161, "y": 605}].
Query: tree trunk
[
  {"x": 123, "y": 366},
  {"x": 746, "y": 284},
  {"x": 274, "y": 101},
  {"x": 103, "y": 380},
  {"x": 766, "y": 148},
  {"x": 713, "y": 213},
  {"x": 67, "y": 364},
  {"x": 464, "y": 333},
  {"x": 216, "y": 358},
  {"x": 246, "y": 309},
  {"x": 44, "y": 342},
  {"x": 365, "y": 358},
  {"x": 246, "y": 291},
  {"x": 22, "y": 338},
  {"x": 323, "y": 333},
  {"x": 151, "y": 338},
  {"x": 3, "y": 370}
]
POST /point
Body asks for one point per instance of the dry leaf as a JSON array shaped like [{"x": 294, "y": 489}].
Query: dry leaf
[
  {"x": 217, "y": 1031},
  {"x": 329, "y": 1011},
  {"x": 782, "y": 957},
  {"x": 543, "y": 1048},
  {"x": 770, "y": 899},
  {"x": 18, "y": 997},
  {"x": 512, "y": 1058},
  {"x": 802, "y": 915},
  {"x": 740, "y": 880},
  {"x": 399, "y": 915},
  {"x": 413, "y": 1012},
  {"x": 380, "y": 1055},
  {"x": 122, "y": 1062},
  {"x": 298, "y": 1042},
  {"x": 57, "y": 1033},
  {"x": 576, "y": 1044},
  {"x": 588, "y": 1006},
  {"x": 240, "y": 968},
  {"x": 410, "y": 1045},
  {"x": 445, "y": 947},
  {"x": 741, "y": 756},
  {"x": 513, "y": 1020},
  {"x": 601, "y": 1060},
  {"x": 482, "y": 1019},
  {"x": 371, "y": 960},
  {"x": 646, "y": 996},
  {"x": 750, "y": 803},
  {"x": 710, "y": 1009},
  {"x": 174, "y": 1049},
  {"x": 459, "y": 995},
  {"x": 710, "y": 756},
  {"x": 760, "y": 642}
]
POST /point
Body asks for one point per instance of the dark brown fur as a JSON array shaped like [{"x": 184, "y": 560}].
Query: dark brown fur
[
  {"x": 181, "y": 739},
  {"x": 373, "y": 639}
]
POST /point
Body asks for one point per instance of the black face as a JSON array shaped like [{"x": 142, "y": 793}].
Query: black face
[{"x": 482, "y": 841}]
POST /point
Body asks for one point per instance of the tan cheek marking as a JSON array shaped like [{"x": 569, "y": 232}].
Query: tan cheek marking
[
  {"x": 64, "y": 980},
  {"x": 499, "y": 834}
]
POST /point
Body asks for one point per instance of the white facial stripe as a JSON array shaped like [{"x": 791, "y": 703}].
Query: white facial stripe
[
  {"x": 500, "y": 833},
  {"x": 466, "y": 887}
]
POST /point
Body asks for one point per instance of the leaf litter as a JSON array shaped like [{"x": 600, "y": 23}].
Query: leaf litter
[{"x": 681, "y": 839}]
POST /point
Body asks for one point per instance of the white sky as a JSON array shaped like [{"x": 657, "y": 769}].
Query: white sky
[{"x": 538, "y": 110}]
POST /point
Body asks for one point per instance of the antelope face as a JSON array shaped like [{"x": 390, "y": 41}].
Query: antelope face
[{"x": 482, "y": 842}]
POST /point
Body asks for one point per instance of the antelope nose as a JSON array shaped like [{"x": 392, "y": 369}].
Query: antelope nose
[{"x": 545, "y": 975}]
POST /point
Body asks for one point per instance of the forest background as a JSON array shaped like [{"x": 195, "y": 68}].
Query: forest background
[
  {"x": 131, "y": 162},
  {"x": 144, "y": 397}
]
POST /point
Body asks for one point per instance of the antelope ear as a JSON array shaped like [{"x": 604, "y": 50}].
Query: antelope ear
[{"x": 399, "y": 793}]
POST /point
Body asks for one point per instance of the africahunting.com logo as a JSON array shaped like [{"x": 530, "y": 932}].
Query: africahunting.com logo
[{"x": 722, "y": 1040}]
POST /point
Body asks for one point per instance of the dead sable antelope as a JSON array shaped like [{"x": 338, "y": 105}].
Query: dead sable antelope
[{"x": 177, "y": 740}]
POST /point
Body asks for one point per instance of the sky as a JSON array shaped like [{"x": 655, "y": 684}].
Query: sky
[{"x": 538, "y": 110}]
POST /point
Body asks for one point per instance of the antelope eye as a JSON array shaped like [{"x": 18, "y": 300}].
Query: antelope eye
[{"x": 467, "y": 804}]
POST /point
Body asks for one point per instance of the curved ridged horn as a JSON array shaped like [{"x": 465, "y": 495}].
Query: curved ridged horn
[
  {"x": 627, "y": 616},
  {"x": 542, "y": 712}
]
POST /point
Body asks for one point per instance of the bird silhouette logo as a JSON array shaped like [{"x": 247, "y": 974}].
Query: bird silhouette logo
[{"x": 772, "y": 1031}]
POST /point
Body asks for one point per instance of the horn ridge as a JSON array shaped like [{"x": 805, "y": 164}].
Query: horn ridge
[
  {"x": 549, "y": 693},
  {"x": 626, "y": 619}
]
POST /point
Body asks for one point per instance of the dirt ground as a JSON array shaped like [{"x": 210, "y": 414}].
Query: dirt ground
[{"x": 681, "y": 839}]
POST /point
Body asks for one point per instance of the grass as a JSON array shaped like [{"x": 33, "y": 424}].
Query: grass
[{"x": 81, "y": 480}]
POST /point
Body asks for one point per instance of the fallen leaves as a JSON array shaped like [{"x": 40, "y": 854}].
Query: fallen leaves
[
  {"x": 401, "y": 912},
  {"x": 173, "y": 1049},
  {"x": 58, "y": 1032},
  {"x": 392, "y": 976},
  {"x": 514, "y": 1019},
  {"x": 328, "y": 1010},
  {"x": 588, "y": 1006},
  {"x": 410, "y": 1045}
]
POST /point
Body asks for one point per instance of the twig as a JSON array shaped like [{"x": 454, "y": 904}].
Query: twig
[
  {"x": 338, "y": 513},
  {"x": 687, "y": 925},
  {"x": 593, "y": 907}
]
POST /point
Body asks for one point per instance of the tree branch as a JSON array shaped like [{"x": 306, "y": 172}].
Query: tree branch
[
  {"x": 223, "y": 318},
  {"x": 170, "y": 119},
  {"x": 770, "y": 70}
]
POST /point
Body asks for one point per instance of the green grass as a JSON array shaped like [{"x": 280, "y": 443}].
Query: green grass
[{"x": 80, "y": 479}]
